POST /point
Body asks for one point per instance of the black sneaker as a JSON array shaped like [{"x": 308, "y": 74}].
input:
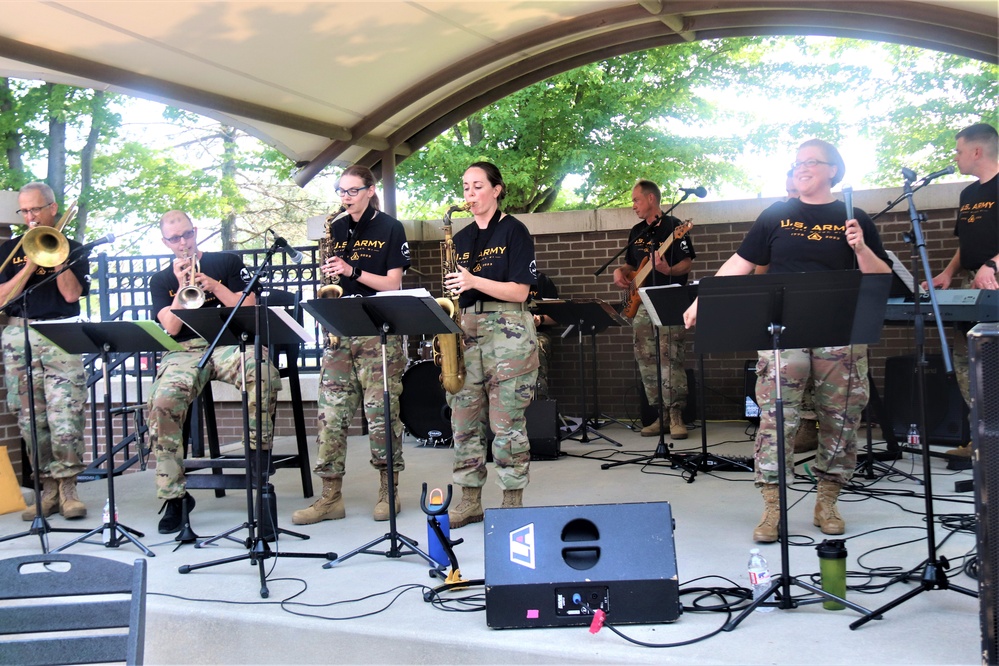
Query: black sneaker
[{"x": 173, "y": 513}]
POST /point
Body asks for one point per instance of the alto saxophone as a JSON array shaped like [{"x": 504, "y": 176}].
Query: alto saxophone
[
  {"x": 329, "y": 286},
  {"x": 449, "y": 353}
]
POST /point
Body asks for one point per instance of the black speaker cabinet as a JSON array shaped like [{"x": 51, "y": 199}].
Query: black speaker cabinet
[
  {"x": 542, "y": 429},
  {"x": 546, "y": 566},
  {"x": 983, "y": 357},
  {"x": 946, "y": 413}
]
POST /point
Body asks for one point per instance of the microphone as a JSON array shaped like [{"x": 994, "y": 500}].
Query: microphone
[
  {"x": 908, "y": 174},
  {"x": 293, "y": 255},
  {"x": 925, "y": 180},
  {"x": 698, "y": 191},
  {"x": 848, "y": 200},
  {"x": 84, "y": 250}
]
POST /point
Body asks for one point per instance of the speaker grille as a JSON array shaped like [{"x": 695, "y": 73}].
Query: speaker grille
[{"x": 984, "y": 371}]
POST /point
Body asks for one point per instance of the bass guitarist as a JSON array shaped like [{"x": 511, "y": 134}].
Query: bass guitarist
[{"x": 672, "y": 266}]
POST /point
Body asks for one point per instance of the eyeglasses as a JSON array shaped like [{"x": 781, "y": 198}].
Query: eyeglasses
[
  {"x": 187, "y": 235},
  {"x": 354, "y": 191},
  {"x": 32, "y": 211},
  {"x": 807, "y": 163}
]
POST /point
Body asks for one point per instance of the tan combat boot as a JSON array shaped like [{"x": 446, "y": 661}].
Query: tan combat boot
[
  {"x": 513, "y": 498},
  {"x": 807, "y": 437},
  {"x": 652, "y": 430},
  {"x": 50, "y": 500},
  {"x": 677, "y": 428},
  {"x": 766, "y": 531},
  {"x": 70, "y": 505},
  {"x": 469, "y": 509},
  {"x": 963, "y": 451},
  {"x": 382, "y": 506},
  {"x": 827, "y": 517},
  {"x": 329, "y": 506}
]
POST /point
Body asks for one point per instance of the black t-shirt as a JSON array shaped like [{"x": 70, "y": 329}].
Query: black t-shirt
[
  {"x": 504, "y": 252},
  {"x": 977, "y": 225},
  {"x": 645, "y": 238},
  {"x": 796, "y": 237},
  {"x": 375, "y": 244},
  {"x": 225, "y": 267},
  {"x": 44, "y": 302}
]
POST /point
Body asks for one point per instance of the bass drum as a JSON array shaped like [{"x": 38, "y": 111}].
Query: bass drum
[{"x": 423, "y": 407}]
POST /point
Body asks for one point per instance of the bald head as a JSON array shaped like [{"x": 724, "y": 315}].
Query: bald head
[{"x": 174, "y": 216}]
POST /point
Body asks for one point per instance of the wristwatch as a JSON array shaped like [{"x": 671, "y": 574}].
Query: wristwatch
[{"x": 991, "y": 264}]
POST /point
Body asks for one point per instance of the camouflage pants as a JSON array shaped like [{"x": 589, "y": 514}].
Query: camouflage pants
[
  {"x": 959, "y": 348},
  {"x": 501, "y": 363},
  {"x": 544, "y": 356},
  {"x": 60, "y": 396},
  {"x": 839, "y": 376},
  {"x": 178, "y": 382},
  {"x": 352, "y": 375},
  {"x": 672, "y": 347}
]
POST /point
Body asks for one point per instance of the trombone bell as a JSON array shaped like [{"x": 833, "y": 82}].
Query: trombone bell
[{"x": 45, "y": 246}]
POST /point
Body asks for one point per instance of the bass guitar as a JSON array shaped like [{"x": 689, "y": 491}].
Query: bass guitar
[{"x": 632, "y": 300}]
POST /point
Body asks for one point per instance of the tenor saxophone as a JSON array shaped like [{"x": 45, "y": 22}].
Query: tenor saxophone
[
  {"x": 448, "y": 351},
  {"x": 329, "y": 286}
]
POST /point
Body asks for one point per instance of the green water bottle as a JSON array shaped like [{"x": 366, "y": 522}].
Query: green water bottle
[{"x": 832, "y": 567}]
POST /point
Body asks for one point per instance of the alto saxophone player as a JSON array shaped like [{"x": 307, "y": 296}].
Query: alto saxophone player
[
  {"x": 368, "y": 253},
  {"x": 496, "y": 270}
]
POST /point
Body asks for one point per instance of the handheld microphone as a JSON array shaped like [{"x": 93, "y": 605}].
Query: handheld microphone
[
  {"x": 84, "y": 250},
  {"x": 925, "y": 180},
  {"x": 698, "y": 191},
  {"x": 293, "y": 255},
  {"x": 848, "y": 200}
]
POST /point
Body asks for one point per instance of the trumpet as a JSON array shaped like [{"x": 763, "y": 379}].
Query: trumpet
[{"x": 191, "y": 296}]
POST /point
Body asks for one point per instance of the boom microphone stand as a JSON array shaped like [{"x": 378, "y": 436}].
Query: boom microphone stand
[
  {"x": 934, "y": 575},
  {"x": 242, "y": 327},
  {"x": 39, "y": 525}
]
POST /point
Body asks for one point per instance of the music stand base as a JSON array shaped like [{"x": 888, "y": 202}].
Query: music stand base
[
  {"x": 393, "y": 552},
  {"x": 933, "y": 578},
  {"x": 119, "y": 534},
  {"x": 786, "y": 602}
]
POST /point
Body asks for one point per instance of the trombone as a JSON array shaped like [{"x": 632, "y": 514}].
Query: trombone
[{"x": 46, "y": 246}]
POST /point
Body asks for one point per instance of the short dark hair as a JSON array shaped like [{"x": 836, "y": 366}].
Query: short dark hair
[
  {"x": 493, "y": 175},
  {"x": 832, "y": 156},
  {"x": 984, "y": 134},
  {"x": 648, "y": 187}
]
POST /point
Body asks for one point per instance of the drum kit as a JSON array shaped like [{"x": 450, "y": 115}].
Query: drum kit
[{"x": 423, "y": 407}]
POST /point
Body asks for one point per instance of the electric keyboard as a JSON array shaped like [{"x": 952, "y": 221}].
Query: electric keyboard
[{"x": 977, "y": 305}]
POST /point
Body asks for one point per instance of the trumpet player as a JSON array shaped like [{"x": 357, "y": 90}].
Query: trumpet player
[
  {"x": 221, "y": 278},
  {"x": 495, "y": 272},
  {"x": 365, "y": 252},
  {"x": 57, "y": 377}
]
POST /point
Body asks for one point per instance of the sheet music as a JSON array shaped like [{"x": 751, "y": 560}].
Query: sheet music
[{"x": 903, "y": 274}]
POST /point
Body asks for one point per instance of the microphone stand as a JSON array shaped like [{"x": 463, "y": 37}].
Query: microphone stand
[
  {"x": 934, "y": 576},
  {"x": 259, "y": 551},
  {"x": 39, "y": 525}
]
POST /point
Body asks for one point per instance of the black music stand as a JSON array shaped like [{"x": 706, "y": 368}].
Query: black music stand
[
  {"x": 105, "y": 338},
  {"x": 789, "y": 311},
  {"x": 414, "y": 314},
  {"x": 590, "y": 316},
  {"x": 666, "y": 305},
  {"x": 235, "y": 326}
]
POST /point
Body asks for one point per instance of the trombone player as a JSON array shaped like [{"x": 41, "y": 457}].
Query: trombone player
[
  {"x": 194, "y": 280},
  {"x": 58, "y": 379}
]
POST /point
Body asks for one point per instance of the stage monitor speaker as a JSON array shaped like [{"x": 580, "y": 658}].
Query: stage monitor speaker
[
  {"x": 650, "y": 414},
  {"x": 983, "y": 361},
  {"x": 542, "y": 429},
  {"x": 946, "y": 413},
  {"x": 551, "y": 566}
]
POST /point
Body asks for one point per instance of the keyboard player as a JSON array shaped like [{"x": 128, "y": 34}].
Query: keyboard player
[{"x": 974, "y": 264}]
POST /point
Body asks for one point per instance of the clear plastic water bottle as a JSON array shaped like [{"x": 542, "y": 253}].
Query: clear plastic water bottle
[
  {"x": 106, "y": 518},
  {"x": 913, "y": 437},
  {"x": 759, "y": 578}
]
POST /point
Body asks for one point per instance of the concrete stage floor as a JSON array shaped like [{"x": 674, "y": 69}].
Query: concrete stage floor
[{"x": 216, "y": 615}]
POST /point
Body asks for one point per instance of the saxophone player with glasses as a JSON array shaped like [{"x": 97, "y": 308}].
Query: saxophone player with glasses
[
  {"x": 197, "y": 279},
  {"x": 365, "y": 251},
  {"x": 494, "y": 272}
]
